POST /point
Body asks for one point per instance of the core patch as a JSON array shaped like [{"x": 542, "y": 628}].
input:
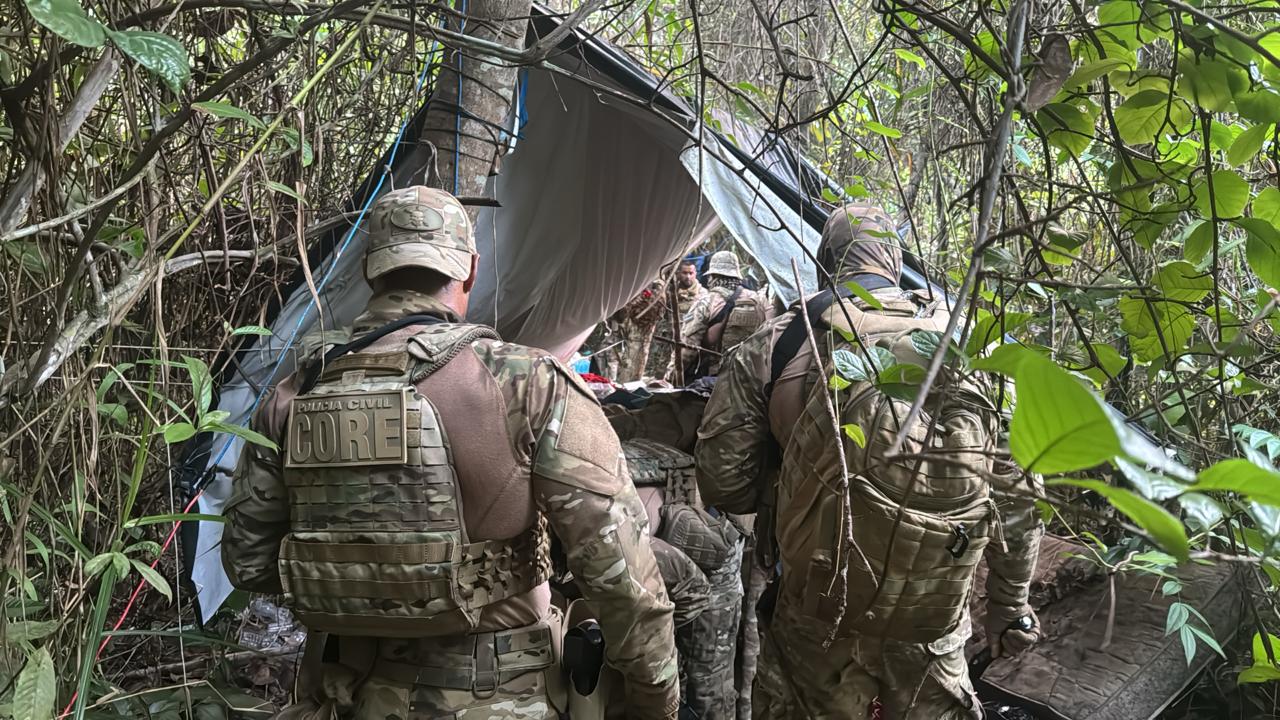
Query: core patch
[{"x": 347, "y": 429}]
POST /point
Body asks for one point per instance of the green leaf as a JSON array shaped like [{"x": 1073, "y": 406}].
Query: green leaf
[
  {"x": 251, "y": 330},
  {"x": 864, "y": 295},
  {"x": 910, "y": 57},
  {"x": 835, "y": 382},
  {"x": 1090, "y": 71},
  {"x": 285, "y": 189},
  {"x": 860, "y": 367},
  {"x": 1058, "y": 425},
  {"x": 20, "y": 631},
  {"x": 830, "y": 195},
  {"x": 1242, "y": 477},
  {"x": 901, "y": 374},
  {"x": 1188, "y": 643},
  {"x": 1111, "y": 361},
  {"x": 1157, "y": 522},
  {"x": 177, "y": 432},
  {"x": 1199, "y": 241},
  {"x": 1067, "y": 127},
  {"x": 1259, "y": 647},
  {"x": 990, "y": 328},
  {"x": 987, "y": 42},
  {"x": 1262, "y": 249},
  {"x": 1172, "y": 322},
  {"x": 173, "y": 518},
  {"x": 161, "y": 54},
  {"x": 1005, "y": 359},
  {"x": 926, "y": 342},
  {"x": 121, "y": 563},
  {"x": 29, "y": 255},
  {"x": 1181, "y": 281},
  {"x": 1177, "y": 617},
  {"x": 1259, "y": 106},
  {"x": 224, "y": 110},
  {"x": 201, "y": 383},
  {"x": 68, "y": 20},
  {"x": 1119, "y": 19},
  {"x": 154, "y": 579},
  {"x": 35, "y": 690},
  {"x": 1266, "y": 206},
  {"x": 245, "y": 434},
  {"x": 1209, "y": 83},
  {"x": 879, "y": 129},
  {"x": 97, "y": 564},
  {"x": 1248, "y": 144},
  {"x": 1230, "y": 195},
  {"x": 295, "y": 141},
  {"x": 1150, "y": 485},
  {"x": 1148, "y": 115},
  {"x": 1259, "y": 674},
  {"x": 855, "y": 433},
  {"x": 1207, "y": 639}
]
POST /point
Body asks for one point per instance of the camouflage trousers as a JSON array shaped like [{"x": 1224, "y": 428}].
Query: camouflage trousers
[
  {"x": 485, "y": 676},
  {"x": 708, "y": 645},
  {"x": 754, "y": 579},
  {"x": 797, "y": 678}
]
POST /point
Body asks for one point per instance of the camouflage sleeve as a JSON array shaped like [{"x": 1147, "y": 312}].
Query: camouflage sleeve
[
  {"x": 734, "y": 438},
  {"x": 1013, "y": 566},
  {"x": 687, "y": 585},
  {"x": 257, "y": 512},
  {"x": 580, "y": 483},
  {"x": 693, "y": 328}
]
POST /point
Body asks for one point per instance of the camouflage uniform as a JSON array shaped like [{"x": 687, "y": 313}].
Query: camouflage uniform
[
  {"x": 521, "y": 448},
  {"x": 661, "y": 357},
  {"x": 701, "y": 328},
  {"x": 764, "y": 437}
]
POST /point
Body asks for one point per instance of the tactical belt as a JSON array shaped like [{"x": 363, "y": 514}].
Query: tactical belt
[
  {"x": 794, "y": 335},
  {"x": 312, "y": 374},
  {"x": 495, "y": 658}
]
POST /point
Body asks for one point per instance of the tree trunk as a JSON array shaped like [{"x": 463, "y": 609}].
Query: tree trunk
[{"x": 472, "y": 99}]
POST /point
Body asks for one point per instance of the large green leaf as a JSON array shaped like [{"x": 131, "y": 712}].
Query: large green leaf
[
  {"x": 1230, "y": 194},
  {"x": 1266, "y": 206},
  {"x": 1111, "y": 361},
  {"x": 990, "y": 328},
  {"x": 34, "y": 692},
  {"x": 20, "y": 631},
  {"x": 1199, "y": 241},
  {"x": 1262, "y": 249},
  {"x": 1119, "y": 19},
  {"x": 1157, "y": 522},
  {"x": 1247, "y": 145},
  {"x": 1067, "y": 126},
  {"x": 1090, "y": 71},
  {"x": 153, "y": 578},
  {"x": 1058, "y": 425},
  {"x": 1209, "y": 83},
  {"x": 1180, "y": 280},
  {"x": 69, "y": 21},
  {"x": 1260, "y": 106},
  {"x": 1174, "y": 322},
  {"x": 157, "y": 52},
  {"x": 1149, "y": 114},
  {"x": 1242, "y": 477}
]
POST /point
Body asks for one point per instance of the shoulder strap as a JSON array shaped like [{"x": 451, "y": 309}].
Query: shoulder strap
[
  {"x": 793, "y": 335},
  {"x": 312, "y": 374},
  {"x": 729, "y": 304}
]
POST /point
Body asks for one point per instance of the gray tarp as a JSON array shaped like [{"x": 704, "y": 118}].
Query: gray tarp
[{"x": 598, "y": 195}]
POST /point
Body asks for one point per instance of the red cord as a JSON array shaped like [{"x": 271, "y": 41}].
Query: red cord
[{"x": 128, "y": 607}]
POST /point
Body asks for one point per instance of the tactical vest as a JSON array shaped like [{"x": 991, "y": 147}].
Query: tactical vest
[
  {"x": 921, "y": 521},
  {"x": 747, "y": 313},
  {"x": 377, "y": 544},
  {"x": 653, "y": 464}
]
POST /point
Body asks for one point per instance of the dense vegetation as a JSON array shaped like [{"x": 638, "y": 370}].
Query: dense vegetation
[{"x": 1098, "y": 182}]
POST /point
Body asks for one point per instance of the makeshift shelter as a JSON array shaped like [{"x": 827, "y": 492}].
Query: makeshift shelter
[{"x": 611, "y": 177}]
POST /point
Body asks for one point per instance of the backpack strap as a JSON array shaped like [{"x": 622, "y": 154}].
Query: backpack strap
[
  {"x": 311, "y": 375},
  {"x": 723, "y": 316},
  {"x": 793, "y": 335}
]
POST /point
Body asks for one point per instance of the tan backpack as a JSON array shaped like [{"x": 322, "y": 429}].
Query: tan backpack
[{"x": 918, "y": 521}]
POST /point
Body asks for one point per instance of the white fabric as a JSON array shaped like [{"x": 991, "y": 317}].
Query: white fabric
[{"x": 765, "y": 227}]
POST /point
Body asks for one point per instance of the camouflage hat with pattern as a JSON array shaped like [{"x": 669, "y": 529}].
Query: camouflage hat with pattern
[
  {"x": 860, "y": 238},
  {"x": 724, "y": 263},
  {"x": 419, "y": 227}
]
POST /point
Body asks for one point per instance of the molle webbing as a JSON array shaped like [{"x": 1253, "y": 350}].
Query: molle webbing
[{"x": 479, "y": 662}]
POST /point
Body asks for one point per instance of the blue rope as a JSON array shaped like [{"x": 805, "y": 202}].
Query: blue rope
[{"x": 333, "y": 263}]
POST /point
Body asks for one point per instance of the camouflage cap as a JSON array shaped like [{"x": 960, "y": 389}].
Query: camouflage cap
[
  {"x": 860, "y": 238},
  {"x": 724, "y": 263},
  {"x": 419, "y": 227}
]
